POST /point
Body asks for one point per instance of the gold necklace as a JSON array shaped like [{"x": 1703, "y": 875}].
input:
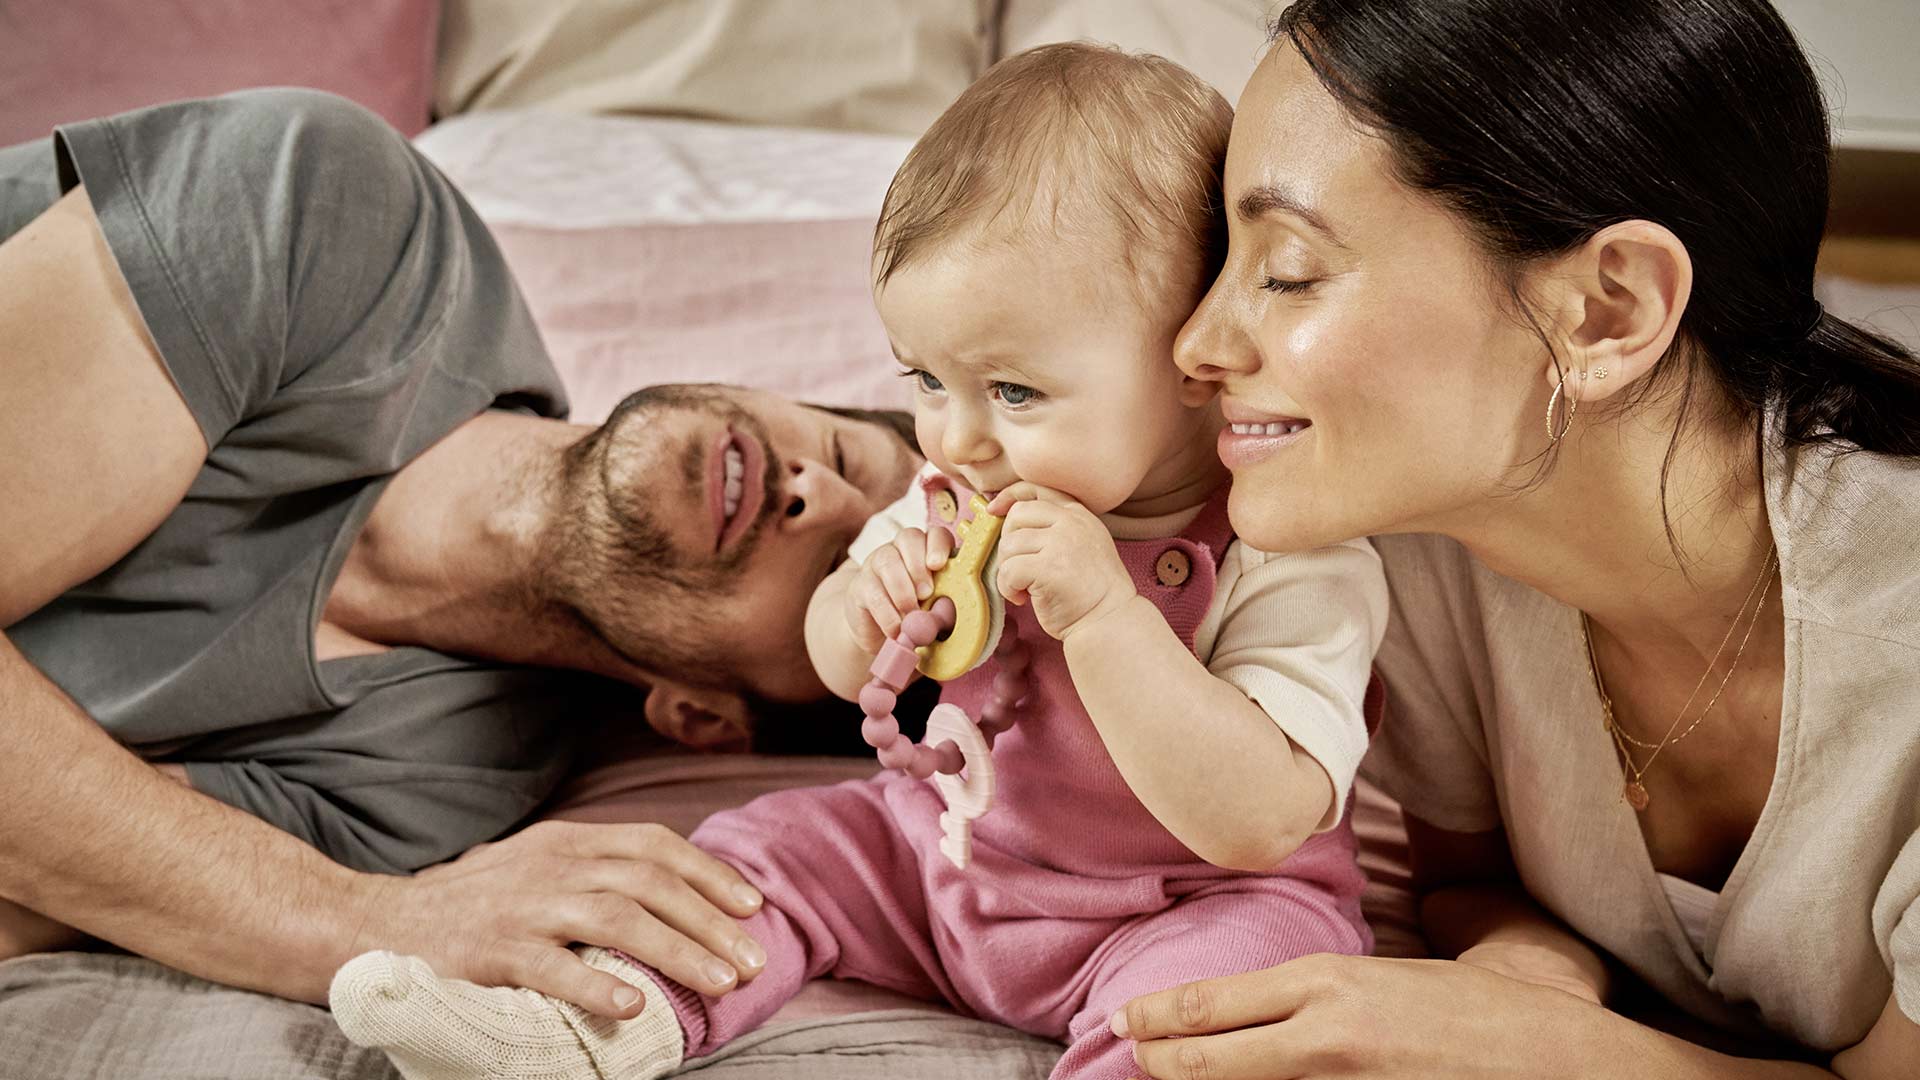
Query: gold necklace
[{"x": 1633, "y": 791}]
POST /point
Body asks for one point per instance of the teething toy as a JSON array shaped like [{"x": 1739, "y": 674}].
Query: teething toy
[
  {"x": 960, "y": 626},
  {"x": 966, "y": 798},
  {"x": 967, "y": 580}
]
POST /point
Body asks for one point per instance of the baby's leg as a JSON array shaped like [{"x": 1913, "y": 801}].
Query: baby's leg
[
  {"x": 1204, "y": 936},
  {"x": 843, "y": 898}
]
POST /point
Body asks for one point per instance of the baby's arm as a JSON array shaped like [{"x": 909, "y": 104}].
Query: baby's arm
[
  {"x": 1246, "y": 756},
  {"x": 1205, "y": 760},
  {"x": 889, "y": 570}
]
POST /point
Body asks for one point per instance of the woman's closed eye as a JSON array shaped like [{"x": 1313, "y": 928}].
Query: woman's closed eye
[
  {"x": 1014, "y": 395},
  {"x": 1282, "y": 285}
]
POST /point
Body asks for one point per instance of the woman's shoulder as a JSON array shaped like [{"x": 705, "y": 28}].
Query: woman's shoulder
[{"x": 1847, "y": 523}]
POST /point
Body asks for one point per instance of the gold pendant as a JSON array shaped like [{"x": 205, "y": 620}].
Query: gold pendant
[{"x": 1635, "y": 795}]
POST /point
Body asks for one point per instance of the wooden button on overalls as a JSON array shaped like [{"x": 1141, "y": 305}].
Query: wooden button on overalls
[
  {"x": 1173, "y": 568},
  {"x": 945, "y": 505}
]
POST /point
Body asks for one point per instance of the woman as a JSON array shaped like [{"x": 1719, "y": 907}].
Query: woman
[{"x": 1538, "y": 276}]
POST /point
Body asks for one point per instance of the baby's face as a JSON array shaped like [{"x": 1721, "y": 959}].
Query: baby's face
[{"x": 1037, "y": 362}]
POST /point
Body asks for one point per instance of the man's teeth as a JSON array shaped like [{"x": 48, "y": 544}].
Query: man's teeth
[
  {"x": 1284, "y": 428},
  {"x": 736, "y": 470}
]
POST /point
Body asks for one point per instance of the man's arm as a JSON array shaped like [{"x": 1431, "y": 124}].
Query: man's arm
[{"x": 99, "y": 448}]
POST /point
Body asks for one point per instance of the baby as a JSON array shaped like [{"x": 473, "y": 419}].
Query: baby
[{"x": 1186, "y": 712}]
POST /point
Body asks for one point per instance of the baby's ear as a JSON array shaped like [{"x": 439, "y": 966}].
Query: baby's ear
[{"x": 701, "y": 718}]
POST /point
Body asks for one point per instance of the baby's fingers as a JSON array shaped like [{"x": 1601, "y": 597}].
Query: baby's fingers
[
  {"x": 939, "y": 548},
  {"x": 914, "y": 549}
]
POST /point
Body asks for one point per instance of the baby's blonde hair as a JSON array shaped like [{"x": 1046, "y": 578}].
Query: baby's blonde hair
[{"x": 1101, "y": 141}]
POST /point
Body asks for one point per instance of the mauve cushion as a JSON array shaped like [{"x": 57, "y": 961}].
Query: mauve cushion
[{"x": 62, "y": 60}]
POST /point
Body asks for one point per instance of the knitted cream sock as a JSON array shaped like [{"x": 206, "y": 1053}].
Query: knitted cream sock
[{"x": 451, "y": 1029}]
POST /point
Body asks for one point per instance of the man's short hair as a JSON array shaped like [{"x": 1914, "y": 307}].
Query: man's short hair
[{"x": 1101, "y": 144}]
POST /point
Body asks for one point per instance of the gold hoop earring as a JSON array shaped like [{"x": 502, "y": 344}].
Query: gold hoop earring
[{"x": 1566, "y": 419}]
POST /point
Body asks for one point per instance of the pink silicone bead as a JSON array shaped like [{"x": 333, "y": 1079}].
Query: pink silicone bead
[
  {"x": 993, "y": 715},
  {"x": 921, "y": 766},
  {"x": 942, "y": 609},
  {"x": 880, "y": 730},
  {"x": 877, "y": 700},
  {"x": 920, "y": 628},
  {"x": 894, "y": 666},
  {"x": 1010, "y": 685},
  {"x": 897, "y": 754}
]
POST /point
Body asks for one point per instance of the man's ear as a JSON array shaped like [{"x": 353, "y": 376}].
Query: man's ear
[
  {"x": 1620, "y": 297},
  {"x": 701, "y": 718}
]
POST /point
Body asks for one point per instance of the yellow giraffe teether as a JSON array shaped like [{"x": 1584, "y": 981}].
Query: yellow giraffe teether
[{"x": 964, "y": 581}]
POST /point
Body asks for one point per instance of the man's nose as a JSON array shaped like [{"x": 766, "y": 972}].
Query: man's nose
[
  {"x": 1213, "y": 344},
  {"x": 817, "y": 497}
]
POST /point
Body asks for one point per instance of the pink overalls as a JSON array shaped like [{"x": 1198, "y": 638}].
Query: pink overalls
[{"x": 1077, "y": 900}]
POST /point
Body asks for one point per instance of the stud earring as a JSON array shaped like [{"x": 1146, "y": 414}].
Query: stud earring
[{"x": 1599, "y": 373}]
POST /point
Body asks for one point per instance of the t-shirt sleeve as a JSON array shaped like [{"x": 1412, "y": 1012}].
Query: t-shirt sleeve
[
  {"x": 909, "y": 511},
  {"x": 1430, "y": 752},
  {"x": 288, "y": 247},
  {"x": 1297, "y": 636}
]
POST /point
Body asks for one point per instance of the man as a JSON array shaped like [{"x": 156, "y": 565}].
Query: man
[{"x": 289, "y": 511}]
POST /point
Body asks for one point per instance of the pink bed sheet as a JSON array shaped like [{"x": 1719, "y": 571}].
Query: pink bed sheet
[
  {"x": 781, "y": 305},
  {"x": 638, "y": 778}
]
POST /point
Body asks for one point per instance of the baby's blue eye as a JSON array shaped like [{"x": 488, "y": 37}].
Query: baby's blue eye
[
  {"x": 924, "y": 380},
  {"x": 1015, "y": 394}
]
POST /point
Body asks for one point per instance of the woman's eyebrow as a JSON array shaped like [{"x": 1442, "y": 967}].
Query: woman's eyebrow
[{"x": 1269, "y": 199}]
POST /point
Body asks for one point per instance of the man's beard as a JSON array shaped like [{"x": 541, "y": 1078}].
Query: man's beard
[{"x": 648, "y": 600}]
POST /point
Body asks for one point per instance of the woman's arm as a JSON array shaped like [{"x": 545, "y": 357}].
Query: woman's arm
[
  {"x": 1521, "y": 974},
  {"x": 1474, "y": 909}
]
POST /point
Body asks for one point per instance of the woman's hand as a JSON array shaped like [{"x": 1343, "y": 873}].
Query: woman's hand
[
  {"x": 1534, "y": 964},
  {"x": 504, "y": 914},
  {"x": 1365, "y": 1017},
  {"x": 1057, "y": 555}
]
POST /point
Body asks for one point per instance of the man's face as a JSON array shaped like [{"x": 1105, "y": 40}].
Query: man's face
[{"x": 714, "y": 512}]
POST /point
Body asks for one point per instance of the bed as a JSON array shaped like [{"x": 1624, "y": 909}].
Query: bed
[{"x": 649, "y": 249}]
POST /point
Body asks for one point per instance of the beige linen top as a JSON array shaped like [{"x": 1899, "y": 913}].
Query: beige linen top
[{"x": 1493, "y": 722}]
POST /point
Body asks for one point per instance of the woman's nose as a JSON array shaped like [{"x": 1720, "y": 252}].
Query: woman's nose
[{"x": 1213, "y": 344}]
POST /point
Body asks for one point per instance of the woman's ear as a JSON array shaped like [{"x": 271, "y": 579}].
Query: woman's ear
[
  {"x": 1617, "y": 300},
  {"x": 701, "y": 718}
]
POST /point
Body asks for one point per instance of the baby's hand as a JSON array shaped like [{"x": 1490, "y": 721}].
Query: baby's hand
[
  {"x": 1055, "y": 553},
  {"x": 892, "y": 583}
]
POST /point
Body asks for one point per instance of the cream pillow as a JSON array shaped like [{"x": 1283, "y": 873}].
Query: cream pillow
[
  {"x": 1218, "y": 40},
  {"x": 868, "y": 66}
]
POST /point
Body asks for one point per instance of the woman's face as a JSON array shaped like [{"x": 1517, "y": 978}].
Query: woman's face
[{"x": 1355, "y": 307}]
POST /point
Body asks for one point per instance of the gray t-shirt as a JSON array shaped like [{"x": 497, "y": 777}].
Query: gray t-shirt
[
  {"x": 329, "y": 307},
  {"x": 1493, "y": 722}
]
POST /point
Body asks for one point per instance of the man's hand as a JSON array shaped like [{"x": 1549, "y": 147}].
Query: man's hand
[
  {"x": 1055, "y": 554},
  {"x": 891, "y": 584},
  {"x": 505, "y": 913}
]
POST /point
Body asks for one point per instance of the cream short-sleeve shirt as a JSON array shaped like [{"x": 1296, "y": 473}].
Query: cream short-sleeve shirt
[
  {"x": 1492, "y": 721},
  {"x": 1296, "y": 633}
]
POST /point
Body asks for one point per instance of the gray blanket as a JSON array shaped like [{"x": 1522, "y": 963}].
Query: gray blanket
[{"x": 80, "y": 1016}]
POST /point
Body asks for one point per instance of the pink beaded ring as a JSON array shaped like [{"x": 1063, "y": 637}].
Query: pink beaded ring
[{"x": 893, "y": 669}]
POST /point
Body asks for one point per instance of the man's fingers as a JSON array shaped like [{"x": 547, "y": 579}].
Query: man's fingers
[
  {"x": 1211, "y": 1005},
  {"x": 557, "y": 972},
  {"x": 1251, "y": 1054},
  {"x": 677, "y": 904},
  {"x": 638, "y": 933}
]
